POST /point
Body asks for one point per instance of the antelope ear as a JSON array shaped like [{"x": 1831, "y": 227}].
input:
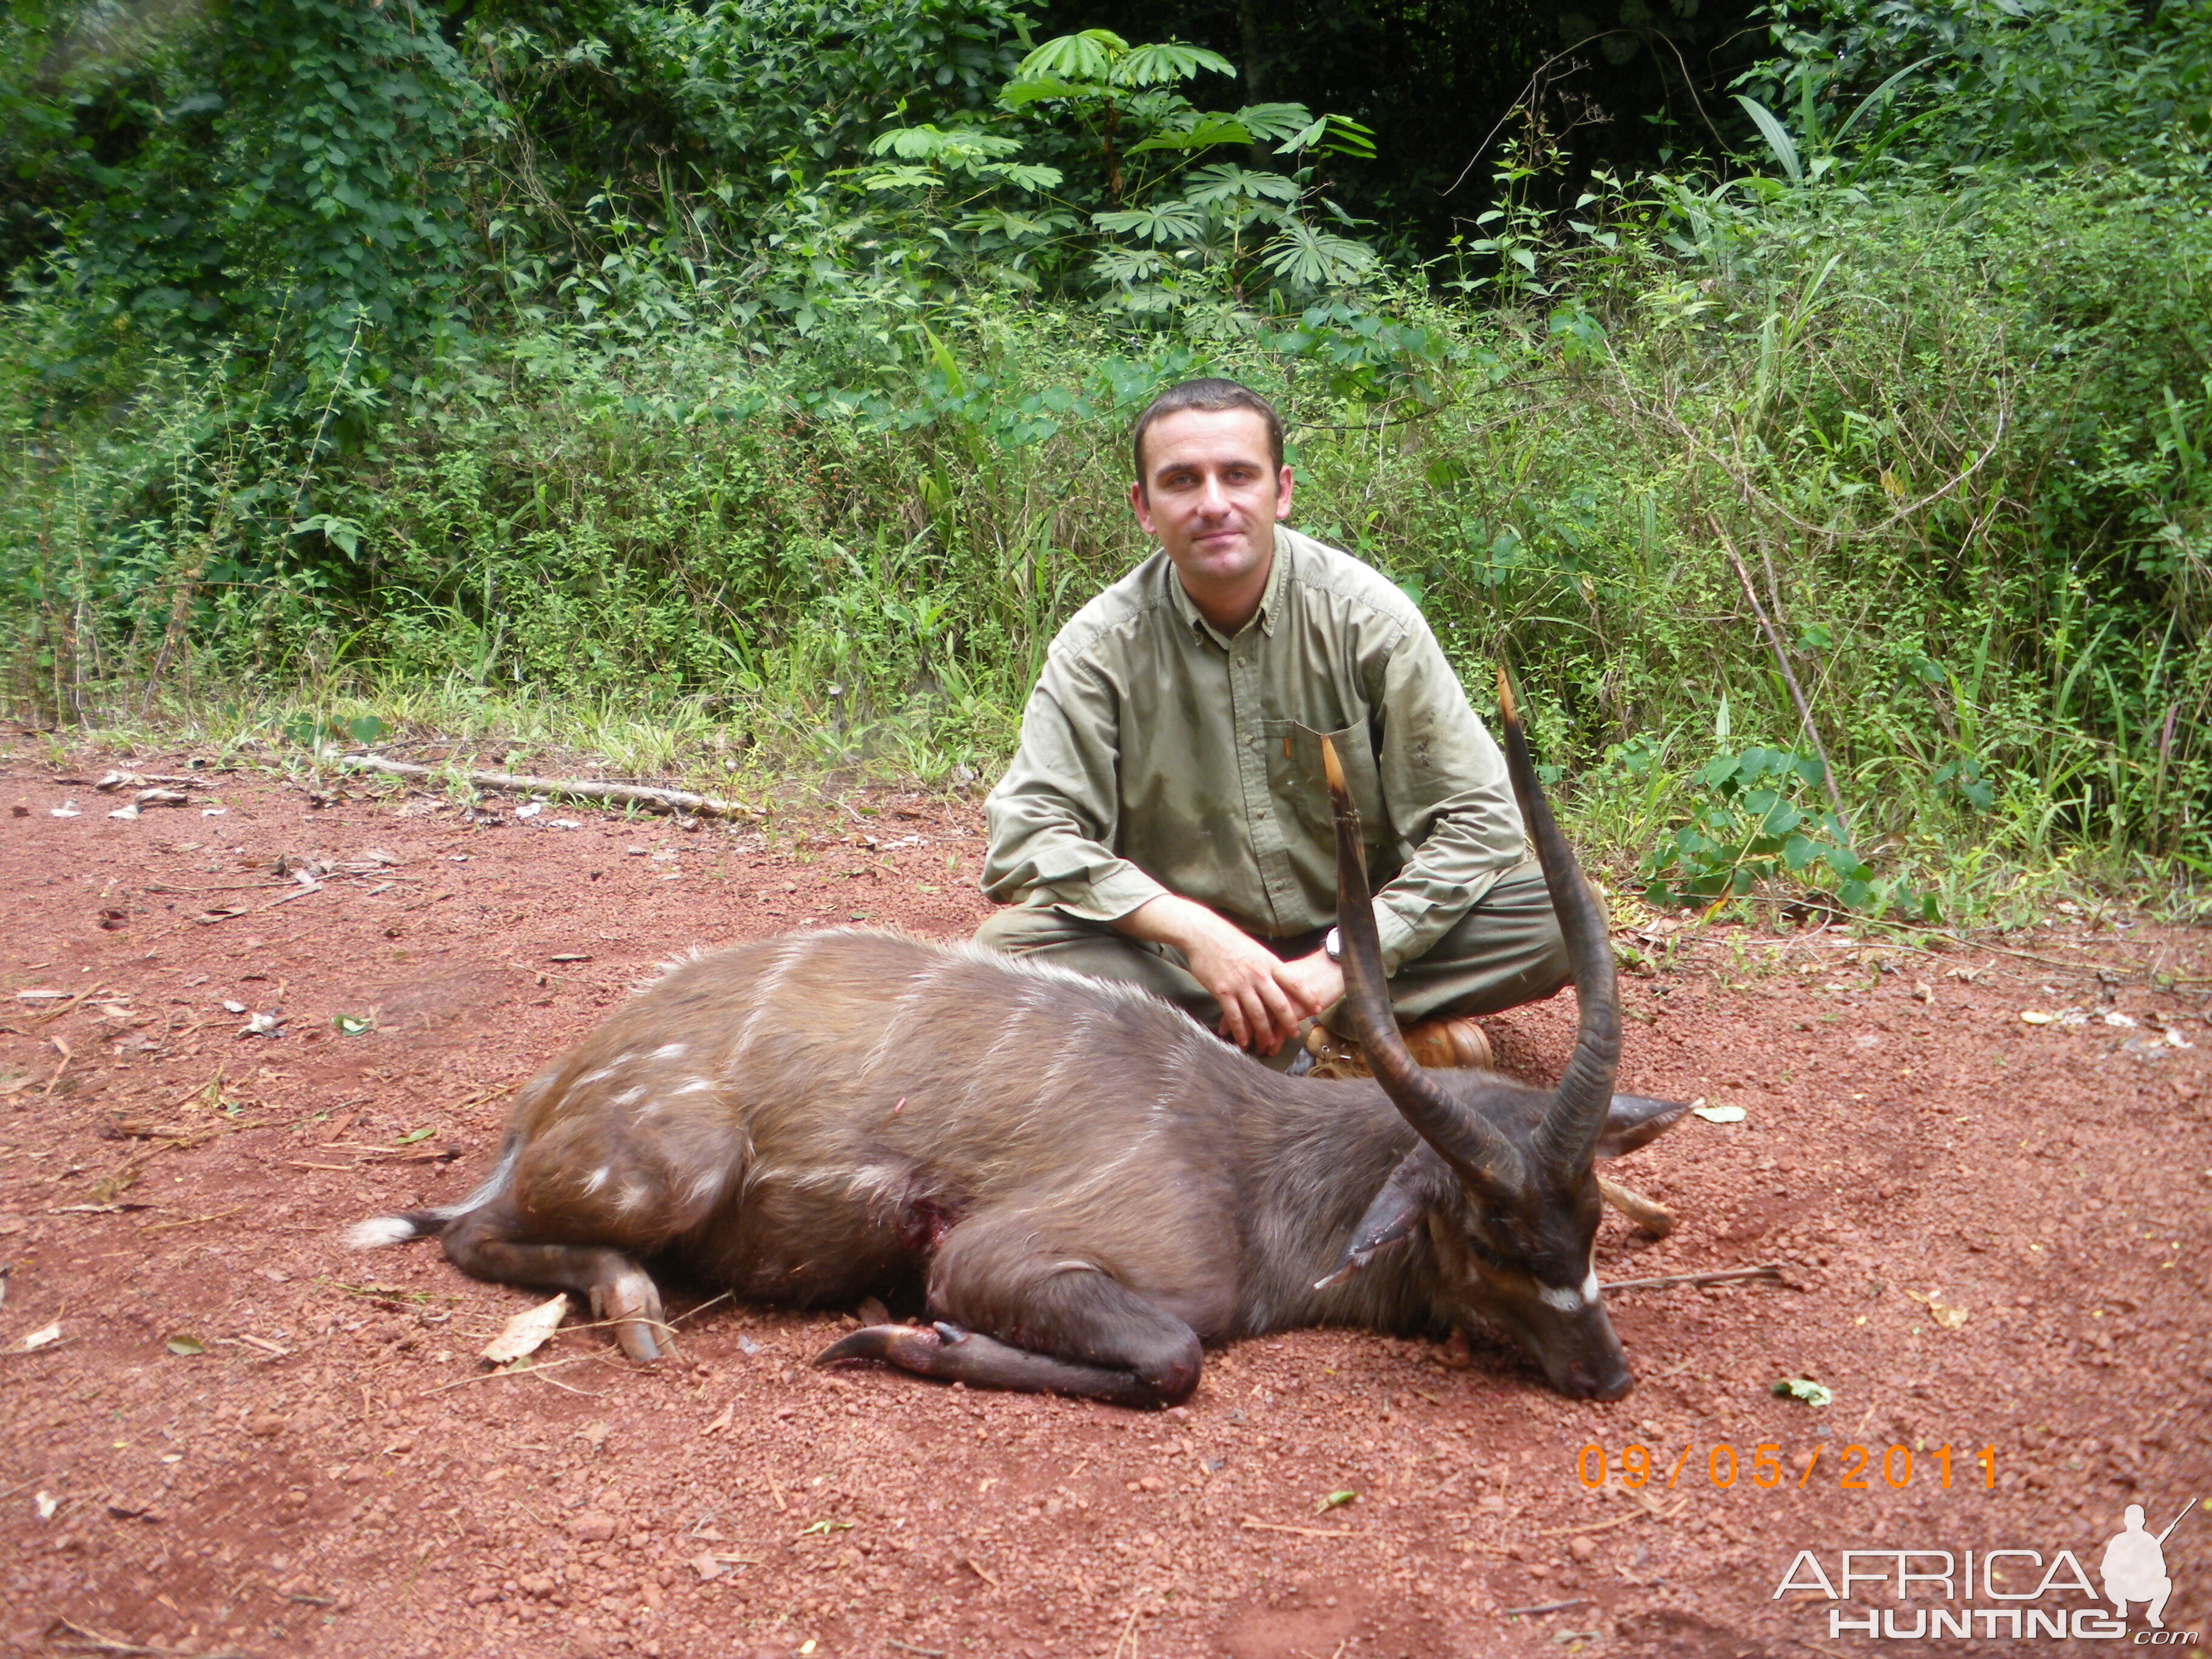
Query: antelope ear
[
  {"x": 1420, "y": 1182},
  {"x": 1634, "y": 1121}
]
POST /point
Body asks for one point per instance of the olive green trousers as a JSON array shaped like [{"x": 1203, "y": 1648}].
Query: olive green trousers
[{"x": 1505, "y": 951}]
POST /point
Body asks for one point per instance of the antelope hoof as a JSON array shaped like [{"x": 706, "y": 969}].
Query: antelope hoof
[
  {"x": 631, "y": 1304},
  {"x": 898, "y": 1345}
]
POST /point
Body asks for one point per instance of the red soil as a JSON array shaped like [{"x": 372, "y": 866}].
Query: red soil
[{"x": 326, "y": 1466}]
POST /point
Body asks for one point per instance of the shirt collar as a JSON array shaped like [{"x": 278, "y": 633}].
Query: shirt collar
[{"x": 1271, "y": 601}]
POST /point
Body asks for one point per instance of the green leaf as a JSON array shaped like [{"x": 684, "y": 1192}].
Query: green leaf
[
  {"x": 341, "y": 533},
  {"x": 1084, "y": 57},
  {"x": 1201, "y": 133},
  {"x": 1335, "y": 1500},
  {"x": 1023, "y": 175},
  {"x": 1276, "y": 120},
  {"x": 1154, "y": 65},
  {"x": 1804, "y": 1389},
  {"x": 960, "y": 147},
  {"x": 414, "y": 1135},
  {"x": 904, "y": 179},
  {"x": 1225, "y": 183},
  {"x": 1318, "y": 258},
  {"x": 183, "y": 1345},
  {"x": 351, "y": 1024},
  {"x": 1163, "y": 221},
  {"x": 1016, "y": 93},
  {"x": 364, "y": 728},
  {"x": 1777, "y": 135}
]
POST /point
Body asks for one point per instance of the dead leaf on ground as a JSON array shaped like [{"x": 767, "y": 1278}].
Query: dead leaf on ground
[
  {"x": 527, "y": 1331},
  {"x": 1943, "y": 1314},
  {"x": 42, "y": 1336}
]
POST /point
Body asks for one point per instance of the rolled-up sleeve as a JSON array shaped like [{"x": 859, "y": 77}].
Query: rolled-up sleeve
[
  {"x": 1450, "y": 803},
  {"x": 1052, "y": 820}
]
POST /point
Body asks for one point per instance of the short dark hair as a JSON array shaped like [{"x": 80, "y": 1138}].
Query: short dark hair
[{"x": 1210, "y": 395}]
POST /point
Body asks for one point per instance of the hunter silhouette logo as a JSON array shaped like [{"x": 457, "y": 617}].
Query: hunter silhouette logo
[
  {"x": 1914, "y": 1595},
  {"x": 2135, "y": 1565}
]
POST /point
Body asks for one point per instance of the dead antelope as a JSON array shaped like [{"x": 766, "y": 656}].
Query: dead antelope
[{"x": 1079, "y": 1185}]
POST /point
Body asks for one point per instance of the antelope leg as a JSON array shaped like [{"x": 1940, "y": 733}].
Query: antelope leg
[
  {"x": 484, "y": 1244},
  {"x": 1035, "y": 1324},
  {"x": 949, "y": 1354}
]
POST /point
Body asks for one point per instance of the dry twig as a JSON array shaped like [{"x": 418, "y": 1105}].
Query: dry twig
[
  {"x": 629, "y": 794},
  {"x": 1252, "y": 1523},
  {"x": 83, "y": 1640},
  {"x": 1771, "y": 1270},
  {"x": 1546, "y": 1607}
]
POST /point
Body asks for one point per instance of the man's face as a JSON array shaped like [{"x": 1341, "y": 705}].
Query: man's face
[{"x": 1211, "y": 495}]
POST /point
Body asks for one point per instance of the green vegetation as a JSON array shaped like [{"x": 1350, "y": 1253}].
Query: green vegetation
[{"x": 743, "y": 388}]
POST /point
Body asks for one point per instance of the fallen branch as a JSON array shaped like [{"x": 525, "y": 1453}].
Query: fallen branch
[
  {"x": 1546, "y": 1607},
  {"x": 1252, "y": 1523},
  {"x": 193, "y": 1221},
  {"x": 43, "y": 1349},
  {"x": 115, "y": 780},
  {"x": 1771, "y": 1270},
  {"x": 1654, "y": 1513},
  {"x": 633, "y": 794},
  {"x": 214, "y": 916},
  {"x": 46, "y": 1016},
  {"x": 67, "y": 1055},
  {"x": 507, "y": 1370},
  {"x": 82, "y": 1640}
]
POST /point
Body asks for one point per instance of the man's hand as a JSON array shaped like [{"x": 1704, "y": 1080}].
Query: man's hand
[
  {"x": 1263, "y": 998},
  {"x": 1314, "y": 980}
]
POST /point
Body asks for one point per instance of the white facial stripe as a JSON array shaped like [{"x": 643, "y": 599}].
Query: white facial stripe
[
  {"x": 1590, "y": 1287},
  {"x": 1566, "y": 1298}
]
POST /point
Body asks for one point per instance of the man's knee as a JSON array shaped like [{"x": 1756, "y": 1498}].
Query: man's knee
[
  {"x": 1553, "y": 967},
  {"x": 1004, "y": 929}
]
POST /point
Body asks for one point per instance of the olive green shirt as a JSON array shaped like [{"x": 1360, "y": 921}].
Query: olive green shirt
[{"x": 1157, "y": 756}]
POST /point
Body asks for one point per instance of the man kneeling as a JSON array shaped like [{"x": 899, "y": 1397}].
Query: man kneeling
[{"x": 1166, "y": 821}]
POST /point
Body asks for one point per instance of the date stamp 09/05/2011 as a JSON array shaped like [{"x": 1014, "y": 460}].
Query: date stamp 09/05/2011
[{"x": 1854, "y": 1468}]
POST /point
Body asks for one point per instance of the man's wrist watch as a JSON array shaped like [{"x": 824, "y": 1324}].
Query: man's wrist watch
[{"x": 1333, "y": 947}]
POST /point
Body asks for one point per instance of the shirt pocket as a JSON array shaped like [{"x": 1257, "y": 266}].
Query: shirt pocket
[{"x": 1300, "y": 784}]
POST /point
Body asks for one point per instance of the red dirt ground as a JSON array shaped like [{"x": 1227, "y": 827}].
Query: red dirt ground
[{"x": 247, "y": 1440}]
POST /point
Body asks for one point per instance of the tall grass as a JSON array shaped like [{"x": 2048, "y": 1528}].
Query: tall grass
[{"x": 1942, "y": 466}]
